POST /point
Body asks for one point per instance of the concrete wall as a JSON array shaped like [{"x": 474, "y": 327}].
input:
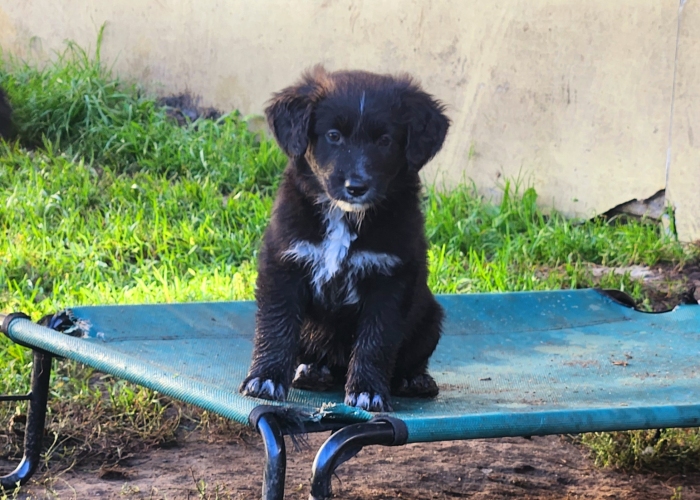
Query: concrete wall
[
  {"x": 684, "y": 171},
  {"x": 572, "y": 97}
]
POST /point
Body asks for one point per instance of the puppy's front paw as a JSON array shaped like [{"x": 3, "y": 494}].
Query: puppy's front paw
[
  {"x": 263, "y": 388},
  {"x": 369, "y": 401}
]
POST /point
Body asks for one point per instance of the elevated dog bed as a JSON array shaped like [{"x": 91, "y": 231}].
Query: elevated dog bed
[{"x": 509, "y": 364}]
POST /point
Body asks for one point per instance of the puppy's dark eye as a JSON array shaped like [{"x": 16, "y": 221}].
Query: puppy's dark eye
[
  {"x": 384, "y": 141},
  {"x": 333, "y": 136}
]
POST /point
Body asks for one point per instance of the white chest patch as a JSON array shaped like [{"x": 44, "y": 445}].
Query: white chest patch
[{"x": 332, "y": 257}]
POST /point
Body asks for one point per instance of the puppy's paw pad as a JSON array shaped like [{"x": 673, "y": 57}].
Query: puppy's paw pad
[
  {"x": 264, "y": 389},
  {"x": 366, "y": 401}
]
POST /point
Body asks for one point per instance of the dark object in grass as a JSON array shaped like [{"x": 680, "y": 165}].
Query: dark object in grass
[
  {"x": 5, "y": 116},
  {"x": 185, "y": 109},
  {"x": 688, "y": 296},
  {"x": 342, "y": 286}
]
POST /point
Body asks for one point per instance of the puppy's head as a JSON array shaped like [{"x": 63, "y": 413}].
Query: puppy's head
[{"x": 358, "y": 131}]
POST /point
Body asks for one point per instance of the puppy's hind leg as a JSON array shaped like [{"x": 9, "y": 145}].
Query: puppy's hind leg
[
  {"x": 411, "y": 378},
  {"x": 313, "y": 377},
  {"x": 323, "y": 354}
]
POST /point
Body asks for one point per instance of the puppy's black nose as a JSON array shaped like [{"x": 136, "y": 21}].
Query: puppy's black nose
[{"x": 355, "y": 188}]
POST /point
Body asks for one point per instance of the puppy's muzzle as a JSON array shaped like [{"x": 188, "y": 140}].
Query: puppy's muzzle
[{"x": 355, "y": 192}]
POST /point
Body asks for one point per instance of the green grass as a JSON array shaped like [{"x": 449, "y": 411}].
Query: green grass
[
  {"x": 660, "y": 451},
  {"x": 104, "y": 199},
  {"x": 479, "y": 247}
]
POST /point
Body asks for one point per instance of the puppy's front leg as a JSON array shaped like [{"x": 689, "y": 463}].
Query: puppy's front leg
[
  {"x": 379, "y": 337},
  {"x": 281, "y": 303}
]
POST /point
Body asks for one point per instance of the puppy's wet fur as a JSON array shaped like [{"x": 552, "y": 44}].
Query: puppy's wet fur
[{"x": 342, "y": 286}]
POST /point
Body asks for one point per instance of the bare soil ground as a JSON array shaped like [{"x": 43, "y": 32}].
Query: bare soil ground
[
  {"x": 225, "y": 461},
  {"x": 664, "y": 285},
  {"x": 541, "y": 468}
]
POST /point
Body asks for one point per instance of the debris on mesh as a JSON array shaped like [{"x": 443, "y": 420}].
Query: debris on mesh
[
  {"x": 337, "y": 411},
  {"x": 67, "y": 322}
]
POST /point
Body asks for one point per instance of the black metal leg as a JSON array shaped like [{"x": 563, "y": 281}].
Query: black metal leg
[
  {"x": 342, "y": 446},
  {"x": 275, "y": 458},
  {"x": 36, "y": 418}
]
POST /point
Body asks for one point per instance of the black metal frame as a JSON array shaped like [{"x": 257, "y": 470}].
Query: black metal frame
[
  {"x": 348, "y": 442},
  {"x": 275, "y": 457},
  {"x": 273, "y": 423},
  {"x": 268, "y": 427},
  {"x": 36, "y": 418}
]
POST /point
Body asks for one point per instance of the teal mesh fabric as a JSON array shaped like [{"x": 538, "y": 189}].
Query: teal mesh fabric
[{"x": 509, "y": 364}]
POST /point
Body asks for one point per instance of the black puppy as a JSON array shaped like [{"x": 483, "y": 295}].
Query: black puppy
[
  {"x": 5, "y": 116},
  {"x": 342, "y": 286}
]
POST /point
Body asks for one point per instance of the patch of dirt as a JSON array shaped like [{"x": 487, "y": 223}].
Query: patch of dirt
[
  {"x": 540, "y": 468},
  {"x": 664, "y": 285},
  {"x": 673, "y": 286}
]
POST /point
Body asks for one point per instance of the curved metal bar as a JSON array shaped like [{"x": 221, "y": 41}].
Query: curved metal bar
[
  {"x": 341, "y": 447},
  {"x": 36, "y": 418},
  {"x": 275, "y": 457}
]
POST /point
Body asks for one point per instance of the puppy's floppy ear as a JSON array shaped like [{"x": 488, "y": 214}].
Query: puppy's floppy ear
[
  {"x": 289, "y": 111},
  {"x": 426, "y": 126}
]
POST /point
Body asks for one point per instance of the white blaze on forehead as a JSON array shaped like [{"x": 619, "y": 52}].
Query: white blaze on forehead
[{"x": 328, "y": 258}]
